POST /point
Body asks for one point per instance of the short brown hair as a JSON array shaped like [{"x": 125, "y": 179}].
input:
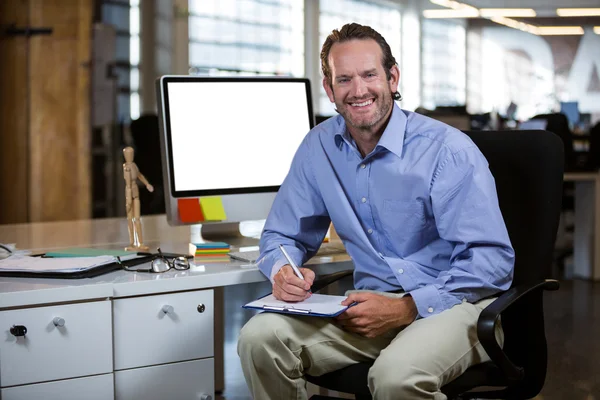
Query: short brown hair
[{"x": 361, "y": 32}]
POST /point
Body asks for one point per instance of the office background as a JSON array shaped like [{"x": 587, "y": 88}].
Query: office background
[
  {"x": 76, "y": 90},
  {"x": 68, "y": 98}
]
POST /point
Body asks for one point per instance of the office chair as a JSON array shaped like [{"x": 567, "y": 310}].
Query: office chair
[
  {"x": 528, "y": 170},
  {"x": 558, "y": 123},
  {"x": 593, "y": 161},
  {"x": 146, "y": 140}
]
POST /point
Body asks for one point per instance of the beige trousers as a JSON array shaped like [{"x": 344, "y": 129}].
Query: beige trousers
[{"x": 277, "y": 350}]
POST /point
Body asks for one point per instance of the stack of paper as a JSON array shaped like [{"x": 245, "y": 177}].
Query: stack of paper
[
  {"x": 43, "y": 264},
  {"x": 210, "y": 252}
]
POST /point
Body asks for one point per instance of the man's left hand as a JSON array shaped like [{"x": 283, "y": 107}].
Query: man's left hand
[{"x": 376, "y": 314}]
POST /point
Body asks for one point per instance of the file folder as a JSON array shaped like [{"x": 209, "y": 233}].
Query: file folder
[{"x": 90, "y": 272}]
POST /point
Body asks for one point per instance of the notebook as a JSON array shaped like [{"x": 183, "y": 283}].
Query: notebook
[{"x": 319, "y": 305}]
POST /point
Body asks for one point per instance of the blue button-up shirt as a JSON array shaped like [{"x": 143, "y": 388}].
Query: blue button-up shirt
[{"x": 419, "y": 213}]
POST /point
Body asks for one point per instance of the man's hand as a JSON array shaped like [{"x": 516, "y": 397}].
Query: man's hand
[
  {"x": 288, "y": 287},
  {"x": 376, "y": 314}
]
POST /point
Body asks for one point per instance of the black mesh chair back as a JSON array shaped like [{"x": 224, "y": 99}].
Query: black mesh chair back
[{"x": 528, "y": 169}]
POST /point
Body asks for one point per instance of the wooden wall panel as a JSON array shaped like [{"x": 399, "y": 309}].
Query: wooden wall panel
[
  {"x": 14, "y": 131},
  {"x": 59, "y": 186}
]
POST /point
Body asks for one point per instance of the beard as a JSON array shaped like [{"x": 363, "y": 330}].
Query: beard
[{"x": 382, "y": 105}]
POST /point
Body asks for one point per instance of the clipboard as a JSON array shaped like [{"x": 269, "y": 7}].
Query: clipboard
[
  {"x": 317, "y": 305},
  {"x": 78, "y": 274}
]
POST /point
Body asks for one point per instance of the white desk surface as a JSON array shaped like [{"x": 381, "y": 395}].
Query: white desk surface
[
  {"x": 581, "y": 176},
  {"x": 112, "y": 233}
]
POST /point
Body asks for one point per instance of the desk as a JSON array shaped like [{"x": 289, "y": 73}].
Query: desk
[
  {"x": 124, "y": 335},
  {"x": 586, "y": 240}
]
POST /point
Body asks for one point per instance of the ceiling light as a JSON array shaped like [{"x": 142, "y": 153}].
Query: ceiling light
[
  {"x": 539, "y": 30},
  {"x": 447, "y": 3},
  {"x": 462, "y": 13},
  {"x": 597, "y": 30},
  {"x": 559, "y": 30},
  {"x": 515, "y": 24},
  {"x": 507, "y": 12},
  {"x": 455, "y": 5},
  {"x": 578, "y": 12}
]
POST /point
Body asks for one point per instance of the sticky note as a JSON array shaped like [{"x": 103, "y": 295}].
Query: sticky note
[
  {"x": 212, "y": 208},
  {"x": 189, "y": 210}
]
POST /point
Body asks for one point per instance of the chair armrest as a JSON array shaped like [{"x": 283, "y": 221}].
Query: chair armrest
[
  {"x": 325, "y": 280},
  {"x": 490, "y": 315}
]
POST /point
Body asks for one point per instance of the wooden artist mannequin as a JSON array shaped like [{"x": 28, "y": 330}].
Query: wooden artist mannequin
[{"x": 131, "y": 174}]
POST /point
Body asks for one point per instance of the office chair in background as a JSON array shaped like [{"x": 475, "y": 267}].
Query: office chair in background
[
  {"x": 593, "y": 161},
  {"x": 146, "y": 140},
  {"x": 528, "y": 170}
]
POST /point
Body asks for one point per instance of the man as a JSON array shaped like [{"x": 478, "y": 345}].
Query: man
[{"x": 416, "y": 206}]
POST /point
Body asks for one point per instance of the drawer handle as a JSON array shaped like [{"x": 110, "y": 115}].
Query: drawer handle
[
  {"x": 205, "y": 396},
  {"x": 58, "y": 322},
  {"x": 167, "y": 309},
  {"x": 201, "y": 308},
  {"x": 18, "y": 330}
]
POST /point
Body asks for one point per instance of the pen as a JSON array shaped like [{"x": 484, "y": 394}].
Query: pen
[{"x": 292, "y": 264}]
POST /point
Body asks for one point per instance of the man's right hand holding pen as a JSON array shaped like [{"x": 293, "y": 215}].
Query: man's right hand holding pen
[
  {"x": 291, "y": 283},
  {"x": 288, "y": 287}
]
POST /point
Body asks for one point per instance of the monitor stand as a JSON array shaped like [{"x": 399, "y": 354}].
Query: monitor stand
[{"x": 225, "y": 230}]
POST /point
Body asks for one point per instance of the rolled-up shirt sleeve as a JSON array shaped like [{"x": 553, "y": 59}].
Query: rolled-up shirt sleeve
[
  {"x": 298, "y": 218},
  {"x": 467, "y": 214}
]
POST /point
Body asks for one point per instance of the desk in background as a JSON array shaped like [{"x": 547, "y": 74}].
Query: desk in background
[
  {"x": 121, "y": 335},
  {"x": 586, "y": 239}
]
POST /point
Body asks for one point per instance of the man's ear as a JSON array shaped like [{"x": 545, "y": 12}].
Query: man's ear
[
  {"x": 328, "y": 89},
  {"x": 394, "y": 78}
]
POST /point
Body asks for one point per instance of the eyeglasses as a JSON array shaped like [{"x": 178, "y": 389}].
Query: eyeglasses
[{"x": 159, "y": 264}]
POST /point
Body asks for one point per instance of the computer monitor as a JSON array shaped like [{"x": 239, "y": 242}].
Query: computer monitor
[
  {"x": 571, "y": 110},
  {"x": 533, "y": 125},
  {"x": 229, "y": 138}
]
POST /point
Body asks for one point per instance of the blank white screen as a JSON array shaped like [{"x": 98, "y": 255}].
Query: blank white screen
[{"x": 235, "y": 134}]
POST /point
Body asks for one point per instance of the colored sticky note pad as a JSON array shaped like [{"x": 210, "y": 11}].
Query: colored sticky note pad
[
  {"x": 189, "y": 210},
  {"x": 212, "y": 208},
  {"x": 211, "y": 245}
]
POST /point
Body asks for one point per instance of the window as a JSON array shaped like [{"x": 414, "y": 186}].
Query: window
[
  {"x": 444, "y": 63},
  {"x": 246, "y": 37},
  {"x": 383, "y": 17},
  {"x": 124, "y": 15},
  {"x": 134, "y": 58}
]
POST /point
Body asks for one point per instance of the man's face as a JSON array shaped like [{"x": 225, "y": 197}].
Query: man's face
[{"x": 359, "y": 86}]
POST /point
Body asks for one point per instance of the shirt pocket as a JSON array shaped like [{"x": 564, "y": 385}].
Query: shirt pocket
[{"x": 403, "y": 216}]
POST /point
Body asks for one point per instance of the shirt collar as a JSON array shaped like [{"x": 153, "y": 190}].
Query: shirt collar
[
  {"x": 394, "y": 133},
  {"x": 392, "y": 138}
]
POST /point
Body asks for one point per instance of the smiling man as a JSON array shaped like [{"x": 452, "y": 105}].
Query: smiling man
[{"x": 415, "y": 204}]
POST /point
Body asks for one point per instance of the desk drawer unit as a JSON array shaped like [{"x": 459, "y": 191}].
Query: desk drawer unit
[
  {"x": 65, "y": 341},
  {"x": 151, "y": 330},
  {"x": 180, "y": 381},
  {"x": 99, "y": 387}
]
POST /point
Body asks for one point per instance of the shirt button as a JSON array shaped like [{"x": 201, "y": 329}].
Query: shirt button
[
  {"x": 370, "y": 231},
  {"x": 401, "y": 270},
  {"x": 363, "y": 166},
  {"x": 364, "y": 199},
  {"x": 430, "y": 309}
]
